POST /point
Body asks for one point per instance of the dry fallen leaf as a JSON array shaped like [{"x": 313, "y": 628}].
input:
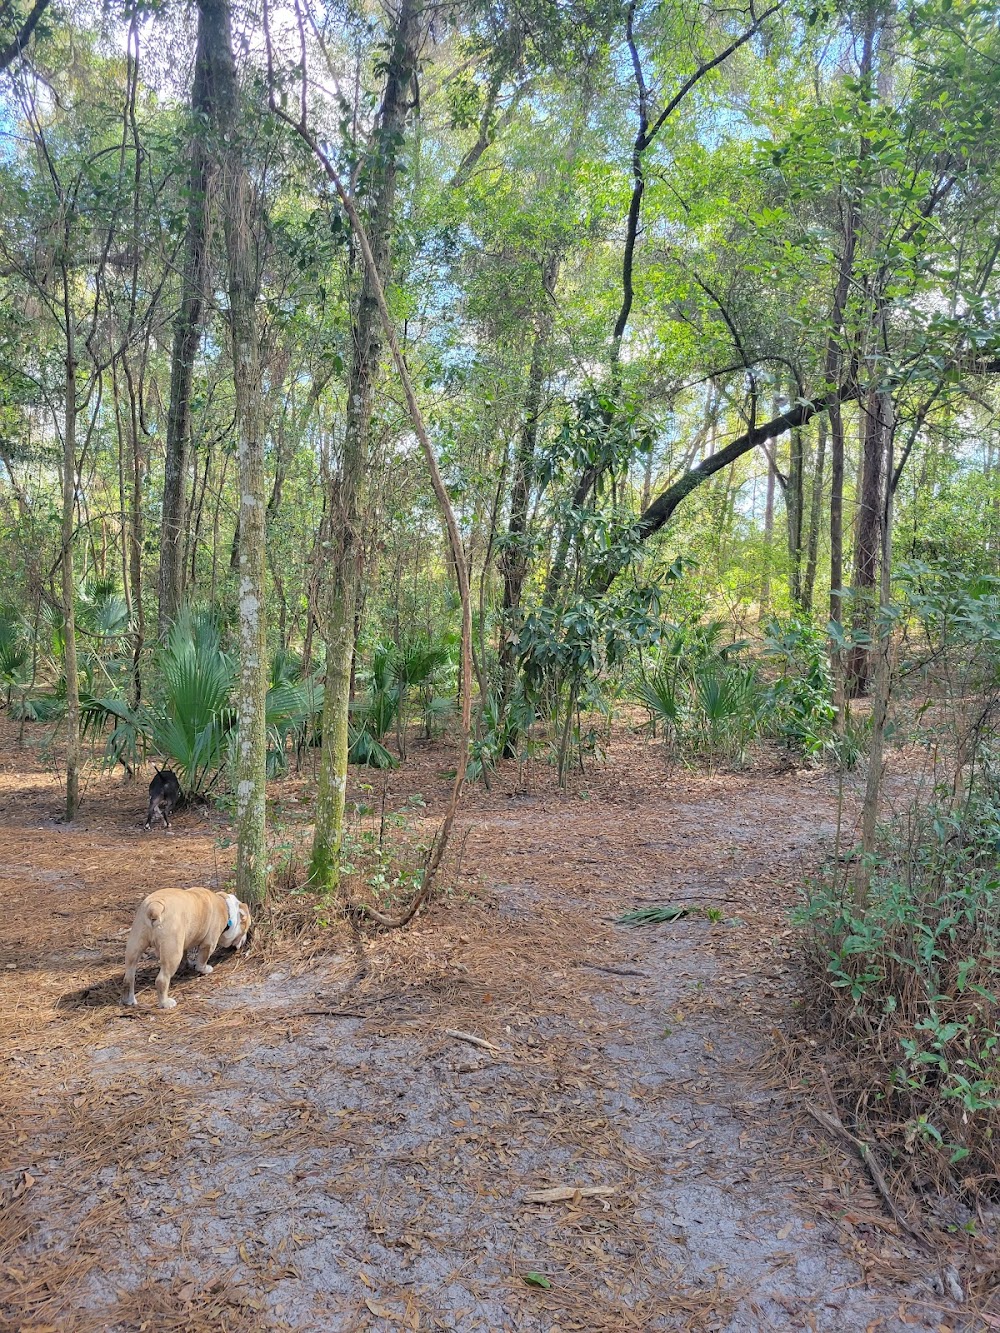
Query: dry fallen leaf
[
  {"x": 381, "y": 1311},
  {"x": 786, "y": 1231}
]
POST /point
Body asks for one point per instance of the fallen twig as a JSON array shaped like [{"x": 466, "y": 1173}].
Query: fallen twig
[
  {"x": 615, "y": 971},
  {"x": 834, "y": 1125},
  {"x": 473, "y": 1041},
  {"x": 328, "y": 1013}
]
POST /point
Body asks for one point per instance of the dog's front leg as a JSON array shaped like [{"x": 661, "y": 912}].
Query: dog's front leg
[{"x": 201, "y": 963}]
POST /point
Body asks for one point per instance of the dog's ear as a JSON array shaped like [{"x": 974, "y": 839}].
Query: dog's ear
[{"x": 244, "y": 925}]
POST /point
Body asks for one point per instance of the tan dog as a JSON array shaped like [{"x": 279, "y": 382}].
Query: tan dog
[{"x": 175, "y": 922}]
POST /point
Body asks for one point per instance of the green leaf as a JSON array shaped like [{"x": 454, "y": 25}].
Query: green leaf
[{"x": 537, "y": 1280}]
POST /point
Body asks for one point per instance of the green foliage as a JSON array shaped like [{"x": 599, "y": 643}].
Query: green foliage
[
  {"x": 195, "y": 721},
  {"x": 799, "y": 701},
  {"x": 395, "y": 671},
  {"x": 905, "y": 971},
  {"x": 127, "y": 742},
  {"x": 706, "y": 698},
  {"x": 15, "y": 654},
  {"x": 653, "y": 916}
]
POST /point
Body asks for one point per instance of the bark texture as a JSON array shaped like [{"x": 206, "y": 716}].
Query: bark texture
[
  {"x": 877, "y": 433},
  {"x": 240, "y": 213}
]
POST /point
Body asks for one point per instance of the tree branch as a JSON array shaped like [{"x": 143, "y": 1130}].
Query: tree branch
[{"x": 12, "y": 51}]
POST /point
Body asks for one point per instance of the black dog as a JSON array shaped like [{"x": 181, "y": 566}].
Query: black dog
[{"x": 165, "y": 796}]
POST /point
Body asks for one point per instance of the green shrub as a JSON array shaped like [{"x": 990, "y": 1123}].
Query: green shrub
[
  {"x": 15, "y": 657},
  {"x": 904, "y": 963},
  {"x": 195, "y": 719},
  {"x": 798, "y": 704},
  {"x": 704, "y": 696}
]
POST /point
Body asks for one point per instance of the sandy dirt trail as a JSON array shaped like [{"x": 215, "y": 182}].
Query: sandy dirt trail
[{"x": 303, "y": 1143}]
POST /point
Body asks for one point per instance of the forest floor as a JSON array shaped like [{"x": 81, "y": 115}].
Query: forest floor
[{"x": 305, "y": 1144}]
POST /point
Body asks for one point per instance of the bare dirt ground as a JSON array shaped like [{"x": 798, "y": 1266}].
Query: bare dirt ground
[{"x": 304, "y": 1144}]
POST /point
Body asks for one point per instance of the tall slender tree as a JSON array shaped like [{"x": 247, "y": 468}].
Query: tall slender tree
[
  {"x": 241, "y": 217},
  {"x": 208, "y": 87},
  {"x": 341, "y": 576}
]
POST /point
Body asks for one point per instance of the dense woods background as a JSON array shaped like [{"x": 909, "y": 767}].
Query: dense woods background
[{"x": 661, "y": 337}]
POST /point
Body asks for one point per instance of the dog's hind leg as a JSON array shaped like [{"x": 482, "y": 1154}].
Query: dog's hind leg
[
  {"x": 128, "y": 985},
  {"x": 134, "y": 950},
  {"x": 170, "y": 961}
]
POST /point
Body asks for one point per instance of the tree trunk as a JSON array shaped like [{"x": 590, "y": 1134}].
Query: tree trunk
[
  {"x": 187, "y": 325},
  {"x": 240, "y": 215},
  {"x": 836, "y": 514},
  {"x": 794, "y": 507},
  {"x": 136, "y": 527},
  {"x": 341, "y": 576},
  {"x": 877, "y": 428},
  {"x": 883, "y": 672},
  {"x": 514, "y": 559},
  {"x": 815, "y": 513},
  {"x": 68, "y": 544},
  {"x": 765, "y": 582}
]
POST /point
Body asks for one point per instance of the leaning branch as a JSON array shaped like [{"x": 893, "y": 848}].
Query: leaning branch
[{"x": 659, "y": 512}]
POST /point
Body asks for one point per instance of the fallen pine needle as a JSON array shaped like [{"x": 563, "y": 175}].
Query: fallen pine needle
[{"x": 615, "y": 971}]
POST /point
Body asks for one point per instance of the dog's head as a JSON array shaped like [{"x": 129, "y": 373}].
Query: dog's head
[{"x": 240, "y": 921}]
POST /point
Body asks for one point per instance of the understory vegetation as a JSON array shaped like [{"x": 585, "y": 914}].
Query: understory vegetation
[
  {"x": 903, "y": 945},
  {"x": 486, "y": 377}
]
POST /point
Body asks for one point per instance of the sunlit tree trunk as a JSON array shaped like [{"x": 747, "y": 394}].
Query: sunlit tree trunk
[
  {"x": 815, "y": 515},
  {"x": 765, "y": 580},
  {"x": 794, "y": 510},
  {"x": 339, "y": 594},
  {"x": 240, "y": 208},
  {"x": 135, "y": 533}
]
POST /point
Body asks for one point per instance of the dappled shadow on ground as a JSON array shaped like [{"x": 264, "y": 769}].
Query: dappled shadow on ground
[{"x": 311, "y": 1139}]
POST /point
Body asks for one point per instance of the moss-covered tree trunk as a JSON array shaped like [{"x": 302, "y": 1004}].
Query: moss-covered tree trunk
[{"x": 339, "y": 592}]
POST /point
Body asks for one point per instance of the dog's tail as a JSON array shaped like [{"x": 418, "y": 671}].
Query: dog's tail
[{"x": 154, "y": 911}]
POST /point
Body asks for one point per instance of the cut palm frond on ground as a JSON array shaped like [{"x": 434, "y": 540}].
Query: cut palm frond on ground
[{"x": 654, "y": 916}]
